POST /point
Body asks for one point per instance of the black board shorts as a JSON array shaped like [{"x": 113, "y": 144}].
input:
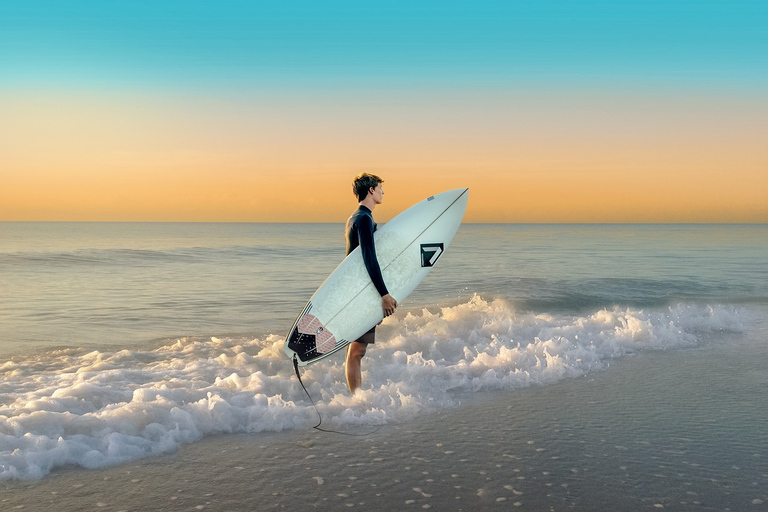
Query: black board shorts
[{"x": 369, "y": 337}]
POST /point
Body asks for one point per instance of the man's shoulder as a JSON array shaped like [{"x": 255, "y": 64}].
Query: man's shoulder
[{"x": 362, "y": 213}]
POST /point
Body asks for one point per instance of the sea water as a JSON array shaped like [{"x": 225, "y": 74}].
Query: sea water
[{"x": 119, "y": 340}]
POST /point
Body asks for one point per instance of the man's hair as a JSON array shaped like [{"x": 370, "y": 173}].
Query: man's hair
[{"x": 363, "y": 183}]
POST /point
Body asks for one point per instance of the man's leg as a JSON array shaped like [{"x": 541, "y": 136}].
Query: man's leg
[{"x": 355, "y": 353}]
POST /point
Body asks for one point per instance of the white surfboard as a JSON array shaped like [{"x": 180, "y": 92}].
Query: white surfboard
[{"x": 347, "y": 304}]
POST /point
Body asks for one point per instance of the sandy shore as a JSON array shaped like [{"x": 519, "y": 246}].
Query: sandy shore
[{"x": 683, "y": 430}]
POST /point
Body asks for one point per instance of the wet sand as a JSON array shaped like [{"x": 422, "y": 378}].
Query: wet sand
[{"x": 682, "y": 430}]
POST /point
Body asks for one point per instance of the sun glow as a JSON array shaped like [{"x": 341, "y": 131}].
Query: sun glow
[{"x": 527, "y": 157}]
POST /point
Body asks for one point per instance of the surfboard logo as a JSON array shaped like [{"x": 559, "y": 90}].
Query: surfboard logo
[{"x": 430, "y": 253}]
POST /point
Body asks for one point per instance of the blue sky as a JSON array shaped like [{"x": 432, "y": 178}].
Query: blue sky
[
  {"x": 622, "y": 111},
  {"x": 230, "y": 43}
]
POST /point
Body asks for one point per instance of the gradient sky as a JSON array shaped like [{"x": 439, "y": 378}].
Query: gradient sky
[{"x": 263, "y": 111}]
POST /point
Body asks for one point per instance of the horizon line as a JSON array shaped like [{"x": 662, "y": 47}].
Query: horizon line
[{"x": 692, "y": 223}]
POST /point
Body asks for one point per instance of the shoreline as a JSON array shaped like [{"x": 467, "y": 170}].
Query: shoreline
[{"x": 641, "y": 435}]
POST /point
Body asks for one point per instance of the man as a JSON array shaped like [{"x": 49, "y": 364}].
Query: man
[{"x": 360, "y": 229}]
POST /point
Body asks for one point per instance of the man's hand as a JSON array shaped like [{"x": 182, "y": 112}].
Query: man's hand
[{"x": 389, "y": 304}]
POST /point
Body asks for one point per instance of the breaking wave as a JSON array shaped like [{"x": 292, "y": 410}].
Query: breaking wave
[{"x": 100, "y": 408}]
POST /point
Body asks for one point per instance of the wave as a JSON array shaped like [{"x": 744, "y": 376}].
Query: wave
[
  {"x": 100, "y": 408},
  {"x": 117, "y": 257}
]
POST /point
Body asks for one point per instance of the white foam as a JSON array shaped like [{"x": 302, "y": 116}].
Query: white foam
[{"x": 94, "y": 409}]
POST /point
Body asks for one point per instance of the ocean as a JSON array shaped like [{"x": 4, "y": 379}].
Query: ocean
[{"x": 120, "y": 341}]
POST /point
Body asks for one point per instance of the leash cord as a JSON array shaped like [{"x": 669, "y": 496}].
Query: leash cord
[{"x": 317, "y": 427}]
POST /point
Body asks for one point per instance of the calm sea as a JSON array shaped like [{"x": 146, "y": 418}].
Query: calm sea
[{"x": 122, "y": 340}]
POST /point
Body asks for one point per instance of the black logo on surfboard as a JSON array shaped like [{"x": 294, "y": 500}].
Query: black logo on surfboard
[{"x": 430, "y": 253}]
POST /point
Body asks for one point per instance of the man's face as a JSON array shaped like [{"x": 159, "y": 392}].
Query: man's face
[{"x": 378, "y": 194}]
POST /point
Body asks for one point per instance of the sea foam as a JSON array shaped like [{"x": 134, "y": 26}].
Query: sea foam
[{"x": 99, "y": 408}]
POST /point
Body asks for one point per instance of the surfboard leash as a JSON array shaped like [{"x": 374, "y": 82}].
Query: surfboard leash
[{"x": 320, "y": 417}]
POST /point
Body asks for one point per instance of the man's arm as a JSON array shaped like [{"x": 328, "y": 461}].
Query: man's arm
[
  {"x": 368, "y": 250},
  {"x": 365, "y": 235}
]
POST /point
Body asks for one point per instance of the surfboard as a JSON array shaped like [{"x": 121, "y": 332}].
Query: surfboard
[{"x": 347, "y": 304}]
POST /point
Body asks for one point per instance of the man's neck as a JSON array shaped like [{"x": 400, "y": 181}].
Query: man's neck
[{"x": 368, "y": 202}]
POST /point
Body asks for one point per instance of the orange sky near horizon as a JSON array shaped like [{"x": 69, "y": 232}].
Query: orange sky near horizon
[{"x": 527, "y": 156}]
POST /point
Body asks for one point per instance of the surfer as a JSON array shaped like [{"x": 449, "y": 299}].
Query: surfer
[{"x": 360, "y": 229}]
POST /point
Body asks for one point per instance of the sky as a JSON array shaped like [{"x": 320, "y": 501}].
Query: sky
[{"x": 263, "y": 111}]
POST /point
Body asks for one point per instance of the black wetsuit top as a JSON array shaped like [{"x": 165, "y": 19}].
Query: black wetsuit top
[{"x": 360, "y": 228}]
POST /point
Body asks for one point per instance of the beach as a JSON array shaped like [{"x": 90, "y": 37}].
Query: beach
[
  {"x": 555, "y": 367},
  {"x": 640, "y": 435},
  {"x": 569, "y": 247}
]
